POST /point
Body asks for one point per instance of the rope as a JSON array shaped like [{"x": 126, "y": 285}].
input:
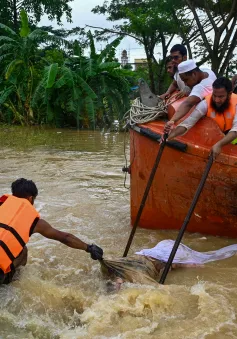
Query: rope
[{"x": 140, "y": 113}]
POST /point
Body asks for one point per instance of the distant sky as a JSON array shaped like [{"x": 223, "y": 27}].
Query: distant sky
[{"x": 82, "y": 15}]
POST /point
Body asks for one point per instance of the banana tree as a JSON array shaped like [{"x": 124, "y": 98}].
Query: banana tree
[
  {"x": 91, "y": 90},
  {"x": 63, "y": 94},
  {"x": 103, "y": 74},
  {"x": 18, "y": 53}
]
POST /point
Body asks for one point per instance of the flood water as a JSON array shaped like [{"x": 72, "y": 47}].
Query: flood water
[{"x": 61, "y": 293}]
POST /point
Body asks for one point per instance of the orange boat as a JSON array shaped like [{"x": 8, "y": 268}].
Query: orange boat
[{"x": 178, "y": 176}]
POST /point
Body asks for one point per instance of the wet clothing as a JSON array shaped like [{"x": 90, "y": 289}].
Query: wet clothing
[
  {"x": 146, "y": 265},
  {"x": 18, "y": 218},
  {"x": 185, "y": 255},
  {"x": 135, "y": 269}
]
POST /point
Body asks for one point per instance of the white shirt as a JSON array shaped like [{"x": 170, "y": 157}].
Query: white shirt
[
  {"x": 204, "y": 87},
  {"x": 180, "y": 83},
  {"x": 200, "y": 90},
  {"x": 199, "y": 112}
]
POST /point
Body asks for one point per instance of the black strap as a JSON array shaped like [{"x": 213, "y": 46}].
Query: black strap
[
  {"x": 33, "y": 226},
  {"x": 14, "y": 232},
  {"x": 6, "y": 249}
]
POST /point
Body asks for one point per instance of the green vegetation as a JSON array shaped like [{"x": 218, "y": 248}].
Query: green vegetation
[
  {"x": 48, "y": 80},
  {"x": 208, "y": 29},
  {"x": 10, "y": 9},
  {"x": 45, "y": 78}
]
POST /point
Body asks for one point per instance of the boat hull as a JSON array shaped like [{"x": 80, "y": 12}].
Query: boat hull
[{"x": 177, "y": 178}]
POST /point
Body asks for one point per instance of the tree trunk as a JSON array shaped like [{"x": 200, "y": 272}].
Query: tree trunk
[
  {"x": 14, "y": 9},
  {"x": 215, "y": 64},
  {"x": 151, "y": 75},
  {"x": 149, "y": 55}
]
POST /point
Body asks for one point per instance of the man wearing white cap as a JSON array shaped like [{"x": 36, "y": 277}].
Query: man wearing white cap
[
  {"x": 221, "y": 106},
  {"x": 200, "y": 81}
]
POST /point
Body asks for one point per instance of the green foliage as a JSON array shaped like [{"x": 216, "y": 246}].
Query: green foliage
[
  {"x": 41, "y": 81},
  {"x": 10, "y": 9},
  {"x": 53, "y": 56},
  {"x": 25, "y": 29},
  {"x": 207, "y": 28},
  {"x": 51, "y": 75},
  {"x": 93, "y": 90},
  {"x": 148, "y": 22},
  {"x": 19, "y": 69}
]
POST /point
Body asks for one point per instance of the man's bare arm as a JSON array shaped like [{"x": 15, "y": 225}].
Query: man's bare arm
[
  {"x": 44, "y": 228},
  {"x": 172, "y": 88},
  {"x": 179, "y": 130},
  {"x": 198, "y": 113},
  {"x": 185, "y": 107},
  {"x": 216, "y": 149}
]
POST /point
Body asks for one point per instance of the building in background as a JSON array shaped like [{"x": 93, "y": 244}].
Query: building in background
[
  {"x": 124, "y": 58},
  {"x": 140, "y": 63}
]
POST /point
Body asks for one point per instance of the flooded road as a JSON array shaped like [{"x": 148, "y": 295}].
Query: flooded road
[{"x": 61, "y": 293}]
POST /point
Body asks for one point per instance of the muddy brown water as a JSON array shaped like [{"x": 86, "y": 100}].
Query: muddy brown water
[{"x": 61, "y": 292}]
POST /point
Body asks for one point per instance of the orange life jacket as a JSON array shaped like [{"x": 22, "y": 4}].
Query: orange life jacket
[
  {"x": 17, "y": 219},
  {"x": 225, "y": 119}
]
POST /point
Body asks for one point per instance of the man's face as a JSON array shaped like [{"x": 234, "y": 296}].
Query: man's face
[
  {"x": 189, "y": 80},
  {"x": 170, "y": 69},
  {"x": 220, "y": 99},
  {"x": 177, "y": 57}
]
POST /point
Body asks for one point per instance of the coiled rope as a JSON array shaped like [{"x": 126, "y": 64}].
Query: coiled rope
[{"x": 140, "y": 113}]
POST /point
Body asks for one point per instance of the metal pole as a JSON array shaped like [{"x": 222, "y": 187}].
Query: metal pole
[
  {"x": 149, "y": 183},
  {"x": 186, "y": 220}
]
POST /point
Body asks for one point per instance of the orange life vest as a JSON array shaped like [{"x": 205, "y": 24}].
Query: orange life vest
[
  {"x": 17, "y": 219},
  {"x": 225, "y": 119}
]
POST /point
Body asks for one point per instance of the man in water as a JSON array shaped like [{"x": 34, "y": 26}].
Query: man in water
[
  {"x": 19, "y": 220},
  {"x": 220, "y": 106},
  {"x": 200, "y": 81}
]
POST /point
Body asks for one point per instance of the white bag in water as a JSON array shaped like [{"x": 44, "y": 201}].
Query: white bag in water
[{"x": 186, "y": 255}]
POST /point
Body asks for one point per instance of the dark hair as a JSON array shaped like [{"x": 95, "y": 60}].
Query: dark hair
[
  {"x": 23, "y": 188},
  {"x": 179, "y": 48},
  {"x": 167, "y": 60},
  {"x": 197, "y": 69},
  {"x": 223, "y": 82}
]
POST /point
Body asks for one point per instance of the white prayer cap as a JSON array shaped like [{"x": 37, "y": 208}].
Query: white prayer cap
[{"x": 186, "y": 66}]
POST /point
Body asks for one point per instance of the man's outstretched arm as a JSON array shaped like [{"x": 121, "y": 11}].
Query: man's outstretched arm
[
  {"x": 172, "y": 88},
  {"x": 183, "y": 109},
  {"x": 44, "y": 228},
  {"x": 216, "y": 149},
  {"x": 199, "y": 112}
]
